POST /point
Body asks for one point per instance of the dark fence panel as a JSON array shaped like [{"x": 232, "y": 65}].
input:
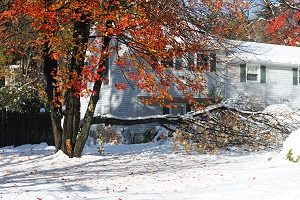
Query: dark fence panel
[{"x": 24, "y": 128}]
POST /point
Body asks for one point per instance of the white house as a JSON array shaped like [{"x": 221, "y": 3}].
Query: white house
[
  {"x": 127, "y": 103},
  {"x": 268, "y": 71}
]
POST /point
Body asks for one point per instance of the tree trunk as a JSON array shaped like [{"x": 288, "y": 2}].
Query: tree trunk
[
  {"x": 71, "y": 139},
  {"x": 72, "y": 102},
  {"x": 88, "y": 117},
  {"x": 50, "y": 65}
]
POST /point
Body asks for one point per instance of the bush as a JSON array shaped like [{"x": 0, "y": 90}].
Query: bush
[
  {"x": 22, "y": 98},
  {"x": 290, "y": 157}
]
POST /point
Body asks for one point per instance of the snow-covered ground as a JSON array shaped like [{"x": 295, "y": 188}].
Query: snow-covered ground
[{"x": 145, "y": 171}]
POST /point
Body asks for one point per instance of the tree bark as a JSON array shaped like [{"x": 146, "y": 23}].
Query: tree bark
[
  {"x": 165, "y": 119},
  {"x": 72, "y": 102},
  {"x": 50, "y": 65}
]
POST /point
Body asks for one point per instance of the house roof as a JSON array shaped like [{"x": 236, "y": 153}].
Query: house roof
[{"x": 252, "y": 52}]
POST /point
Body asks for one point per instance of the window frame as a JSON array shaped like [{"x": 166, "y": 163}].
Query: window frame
[
  {"x": 209, "y": 60},
  {"x": 258, "y": 66},
  {"x": 248, "y": 66}
]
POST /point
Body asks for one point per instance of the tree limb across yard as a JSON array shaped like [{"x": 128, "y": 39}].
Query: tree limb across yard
[
  {"x": 218, "y": 125},
  {"x": 191, "y": 117}
]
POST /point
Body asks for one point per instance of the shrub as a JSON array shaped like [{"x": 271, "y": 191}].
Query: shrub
[
  {"x": 22, "y": 98},
  {"x": 105, "y": 134},
  {"x": 290, "y": 157}
]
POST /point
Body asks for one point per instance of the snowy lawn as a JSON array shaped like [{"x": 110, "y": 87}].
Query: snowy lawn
[{"x": 145, "y": 171}]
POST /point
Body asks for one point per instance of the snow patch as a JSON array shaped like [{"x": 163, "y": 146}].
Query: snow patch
[
  {"x": 292, "y": 142},
  {"x": 252, "y": 52},
  {"x": 278, "y": 108},
  {"x": 145, "y": 171}
]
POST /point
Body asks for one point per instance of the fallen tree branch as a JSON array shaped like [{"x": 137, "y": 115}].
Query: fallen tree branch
[
  {"x": 161, "y": 119},
  {"x": 217, "y": 126}
]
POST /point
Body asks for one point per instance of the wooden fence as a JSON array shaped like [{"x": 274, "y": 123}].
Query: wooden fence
[{"x": 24, "y": 128}]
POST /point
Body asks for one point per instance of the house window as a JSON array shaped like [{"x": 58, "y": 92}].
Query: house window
[
  {"x": 181, "y": 108},
  {"x": 178, "y": 108},
  {"x": 207, "y": 60},
  {"x": 202, "y": 59},
  {"x": 190, "y": 60},
  {"x": 167, "y": 63},
  {"x": 252, "y": 73},
  {"x": 295, "y": 76}
]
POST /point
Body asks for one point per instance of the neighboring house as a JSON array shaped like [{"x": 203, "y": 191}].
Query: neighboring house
[
  {"x": 268, "y": 71},
  {"x": 9, "y": 79}
]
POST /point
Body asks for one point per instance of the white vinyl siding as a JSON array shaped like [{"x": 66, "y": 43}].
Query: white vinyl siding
[{"x": 278, "y": 86}]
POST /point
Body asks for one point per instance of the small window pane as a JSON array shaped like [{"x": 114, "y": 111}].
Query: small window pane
[
  {"x": 252, "y": 77},
  {"x": 252, "y": 69}
]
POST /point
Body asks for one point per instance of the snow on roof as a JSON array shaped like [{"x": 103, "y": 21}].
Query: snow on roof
[{"x": 252, "y": 52}]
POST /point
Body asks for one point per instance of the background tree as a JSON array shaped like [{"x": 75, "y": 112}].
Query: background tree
[
  {"x": 154, "y": 32},
  {"x": 279, "y": 19}
]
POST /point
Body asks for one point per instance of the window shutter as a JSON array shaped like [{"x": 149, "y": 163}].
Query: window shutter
[
  {"x": 166, "y": 111},
  {"x": 188, "y": 108},
  {"x": 263, "y": 75},
  {"x": 178, "y": 63},
  {"x": 295, "y": 76},
  {"x": 243, "y": 72},
  {"x": 213, "y": 62}
]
